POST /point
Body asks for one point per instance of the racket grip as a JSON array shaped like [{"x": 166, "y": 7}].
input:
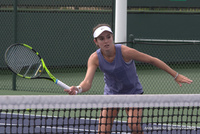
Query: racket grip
[{"x": 63, "y": 85}]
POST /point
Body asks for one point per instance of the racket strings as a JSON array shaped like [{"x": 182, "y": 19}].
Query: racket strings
[{"x": 23, "y": 61}]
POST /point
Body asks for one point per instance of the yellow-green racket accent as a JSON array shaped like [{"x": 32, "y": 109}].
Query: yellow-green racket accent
[{"x": 48, "y": 72}]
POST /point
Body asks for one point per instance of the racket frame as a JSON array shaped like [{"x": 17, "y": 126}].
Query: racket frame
[{"x": 43, "y": 65}]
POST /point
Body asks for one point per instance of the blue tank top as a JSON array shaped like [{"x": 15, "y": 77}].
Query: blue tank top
[{"x": 119, "y": 77}]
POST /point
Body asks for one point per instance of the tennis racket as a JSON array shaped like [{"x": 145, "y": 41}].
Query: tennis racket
[{"x": 25, "y": 62}]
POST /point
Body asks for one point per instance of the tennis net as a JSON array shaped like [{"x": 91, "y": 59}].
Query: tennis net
[{"x": 90, "y": 114}]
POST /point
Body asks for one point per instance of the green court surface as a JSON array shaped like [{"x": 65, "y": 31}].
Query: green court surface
[{"x": 153, "y": 81}]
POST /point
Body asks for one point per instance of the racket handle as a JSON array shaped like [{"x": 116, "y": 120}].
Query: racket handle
[{"x": 63, "y": 85}]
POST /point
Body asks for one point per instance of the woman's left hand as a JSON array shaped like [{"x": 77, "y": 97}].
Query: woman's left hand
[{"x": 182, "y": 79}]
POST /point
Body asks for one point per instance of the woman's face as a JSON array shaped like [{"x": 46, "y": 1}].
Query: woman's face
[{"x": 104, "y": 40}]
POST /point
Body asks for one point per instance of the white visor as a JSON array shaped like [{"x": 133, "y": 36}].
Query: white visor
[{"x": 100, "y": 30}]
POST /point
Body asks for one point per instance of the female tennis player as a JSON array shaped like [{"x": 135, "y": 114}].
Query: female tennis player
[{"x": 117, "y": 64}]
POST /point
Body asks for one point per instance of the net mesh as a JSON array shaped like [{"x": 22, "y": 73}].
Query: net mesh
[{"x": 148, "y": 114}]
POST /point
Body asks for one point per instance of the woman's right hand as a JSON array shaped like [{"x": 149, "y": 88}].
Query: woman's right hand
[{"x": 72, "y": 91}]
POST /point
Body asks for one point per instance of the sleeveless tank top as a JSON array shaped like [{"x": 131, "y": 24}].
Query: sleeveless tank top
[{"x": 119, "y": 77}]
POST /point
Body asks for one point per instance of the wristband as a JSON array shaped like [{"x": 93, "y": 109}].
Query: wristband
[
  {"x": 79, "y": 89},
  {"x": 176, "y": 76}
]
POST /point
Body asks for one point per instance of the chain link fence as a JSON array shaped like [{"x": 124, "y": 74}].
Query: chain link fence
[{"x": 61, "y": 31}]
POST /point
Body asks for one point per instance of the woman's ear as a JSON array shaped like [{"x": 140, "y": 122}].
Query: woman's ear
[{"x": 95, "y": 41}]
